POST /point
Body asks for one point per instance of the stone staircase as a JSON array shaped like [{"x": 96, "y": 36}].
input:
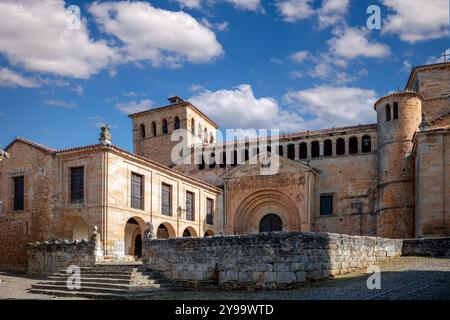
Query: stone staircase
[{"x": 108, "y": 281}]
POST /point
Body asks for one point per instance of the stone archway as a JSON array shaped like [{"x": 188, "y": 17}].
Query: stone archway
[
  {"x": 257, "y": 205},
  {"x": 133, "y": 237},
  {"x": 80, "y": 229},
  {"x": 165, "y": 231},
  {"x": 208, "y": 233},
  {"x": 189, "y": 232}
]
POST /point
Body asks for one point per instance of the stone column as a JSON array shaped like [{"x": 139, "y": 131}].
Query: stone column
[
  {"x": 321, "y": 153},
  {"x": 297, "y": 151},
  {"x": 333, "y": 147}
]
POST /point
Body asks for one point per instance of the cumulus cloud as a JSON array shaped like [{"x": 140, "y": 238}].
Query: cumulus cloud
[
  {"x": 330, "y": 106},
  {"x": 299, "y": 56},
  {"x": 295, "y": 10},
  {"x": 351, "y": 43},
  {"x": 332, "y": 12},
  {"x": 134, "y": 106},
  {"x": 251, "y": 5},
  {"x": 417, "y": 20},
  {"x": 9, "y": 78},
  {"x": 61, "y": 103},
  {"x": 318, "y": 107},
  {"x": 34, "y": 35},
  {"x": 155, "y": 35},
  {"x": 239, "y": 108}
]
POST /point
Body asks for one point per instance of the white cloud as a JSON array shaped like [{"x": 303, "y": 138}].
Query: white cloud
[
  {"x": 332, "y": 12},
  {"x": 295, "y": 10},
  {"x": 9, "y": 78},
  {"x": 299, "y": 56},
  {"x": 239, "y": 108},
  {"x": 156, "y": 35},
  {"x": 195, "y": 87},
  {"x": 79, "y": 90},
  {"x": 295, "y": 74},
  {"x": 34, "y": 35},
  {"x": 219, "y": 26},
  {"x": 351, "y": 43},
  {"x": 250, "y": 5},
  {"x": 439, "y": 58},
  {"x": 329, "y": 106},
  {"x": 417, "y": 20},
  {"x": 61, "y": 103},
  {"x": 134, "y": 106}
]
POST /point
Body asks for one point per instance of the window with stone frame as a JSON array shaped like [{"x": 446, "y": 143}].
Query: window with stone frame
[
  {"x": 77, "y": 185},
  {"x": 166, "y": 199},
  {"x": 209, "y": 211},
  {"x": 19, "y": 193},
  {"x": 190, "y": 209},
  {"x": 137, "y": 191},
  {"x": 326, "y": 205}
]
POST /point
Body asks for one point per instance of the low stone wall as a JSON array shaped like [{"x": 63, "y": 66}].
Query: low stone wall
[
  {"x": 426, "y": 247},
  {"x": 53, "y": 256},
  {"x": 275, "y": 260}
]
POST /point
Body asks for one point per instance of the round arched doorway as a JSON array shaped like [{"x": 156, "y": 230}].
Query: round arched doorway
[
  {"x": 270, "y": 223},
  {"x": 133, "y": 237}
]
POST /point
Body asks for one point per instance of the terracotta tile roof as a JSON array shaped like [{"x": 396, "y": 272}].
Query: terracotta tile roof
[
  {"x": 399, "y": 93},
  {"x": 154, "y": 163},
  {"x": 31, "y": 143}
]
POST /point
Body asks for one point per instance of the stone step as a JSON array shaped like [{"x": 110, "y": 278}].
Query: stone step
[
  {"x": 62, "y": 285},
  {"x": 97, "y": 295},
  {"x": 98, "y": 275},
  {"x": 97, "y": 280}
]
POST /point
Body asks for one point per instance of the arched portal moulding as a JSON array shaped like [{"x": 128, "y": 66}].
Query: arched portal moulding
[{"x": 254, "y": 207}]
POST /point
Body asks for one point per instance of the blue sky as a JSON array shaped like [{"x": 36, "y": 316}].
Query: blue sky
[{"x": 288, "y": 64}]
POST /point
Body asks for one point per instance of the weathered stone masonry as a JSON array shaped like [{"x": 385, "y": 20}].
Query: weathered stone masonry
[{"x": 275, "y": 260}]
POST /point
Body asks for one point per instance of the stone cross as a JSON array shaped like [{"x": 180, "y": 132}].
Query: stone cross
[{"x": 446, "y": 55}]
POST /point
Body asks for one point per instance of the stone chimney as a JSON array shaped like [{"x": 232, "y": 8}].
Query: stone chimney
[{"x": 105, "y": 135}]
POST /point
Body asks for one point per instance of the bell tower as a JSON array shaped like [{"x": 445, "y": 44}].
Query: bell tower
[
  {"x": 157, "y": 131},
  {"x": 399, "y": 116}
]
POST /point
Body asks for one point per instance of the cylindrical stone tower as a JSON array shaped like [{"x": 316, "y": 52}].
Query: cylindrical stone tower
[{"x": 398, "y": 117}]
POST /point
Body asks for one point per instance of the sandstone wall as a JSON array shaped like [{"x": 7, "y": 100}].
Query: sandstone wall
[
  {"x": 426, "y": 247},
  {"x": 276, "y": 260},
  {"x": 54, "y": 256}
]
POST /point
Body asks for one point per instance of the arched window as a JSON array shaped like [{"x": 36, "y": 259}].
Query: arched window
[
  {"x": 205, "y": 135},
  {"x": 280, "y": 151},
  {"x": 187, "y": 233},
  {"x": 154, "y": 128},
  {"x": 211, "y": 138},
  {"x": 142, "y": 131},
  {"x": 291, "y": 151},
  {"x": 388, "y": 112},
  {"x": 366, "y": 144},
  {"x": 224, "y": 160},
  {"x": 353, "y": 145},
  {"x": 212, "y": 164},
  {"x": 176, "y": 123},
  {"x": 303, "y": 150},
  {"x": 395, "y": 110},
  {"x": 270, "y": 223},
  {"x": 193, "y": 126},
  {"x": 199, "y": 131},
  {"x": 201, "y": 166},
  {"x": 165, "y": 127},
  {"x": 327, "y": 148},
  {"x": 340, "y": 147},
  {"x": 315, "y": 149},
  {"x": 246, "y": 155},
  {"x": 235, "y": 158}
]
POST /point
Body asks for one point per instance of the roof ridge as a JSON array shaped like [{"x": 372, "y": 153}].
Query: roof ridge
[{"x": 30, "y": 142}]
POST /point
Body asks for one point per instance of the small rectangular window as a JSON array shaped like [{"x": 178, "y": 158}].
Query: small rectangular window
[
  {"x": 190, "y": 215},
  {"x": 77, "y": 185},
  {"x": 209, "y": 211},
  {"x": 166, "y": 199},
  {"x": 19, "y": 193},
  {"x": 326, "y": 205},
  {"x": 137, "y": 191}
]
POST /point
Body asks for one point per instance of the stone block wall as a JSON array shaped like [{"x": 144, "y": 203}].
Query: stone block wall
[
  {"x": 53, "y": 256},
  {"x": 275, "y": 260},
  {"x": 433, "y": 247}
]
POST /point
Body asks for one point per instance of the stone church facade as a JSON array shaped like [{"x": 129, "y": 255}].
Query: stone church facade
[{"x": 389, "y": 179}]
